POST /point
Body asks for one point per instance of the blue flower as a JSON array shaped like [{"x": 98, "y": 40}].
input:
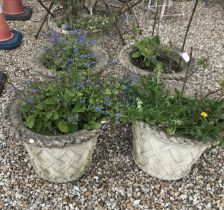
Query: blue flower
[
  {"x": 75, "y": 31},
  {"x": 106, "y": 99},
  {"x": 75, "y": 48},
  {"x": 118, "y": 115},
  {"x": 68, "y": 27},
  {"x": 84, "y": 56},
  {"x": 29, "y": 100},
  {"x": 82, "y": 38},
  {"x": 54, "y": 37},
  {"x": 93, "y": 42},
  {"x": 100, "y": 110},
  {"x": 32, "y": 90},
  {"x": 72, "y": 117},
  {"x": 71, "y": 61}
]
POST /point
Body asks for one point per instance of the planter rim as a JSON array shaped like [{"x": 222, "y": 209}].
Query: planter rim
[
  {"x": 40, "y": 140},
  {"x": 101, "y": 60},
  {"x": 53, "y": 25},
  {"x": 124, "y": 57},
  {"x": 177, "y": 141}
]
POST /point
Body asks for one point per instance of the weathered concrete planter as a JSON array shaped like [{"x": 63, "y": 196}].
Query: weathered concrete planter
[
  {"x": 102, "y": 58},
  {"x": 57, "y": 159},
  {"x": 163, "y": 157},
  {"x": 52, "y": 24},
  {"x": 125, "y": 59}
]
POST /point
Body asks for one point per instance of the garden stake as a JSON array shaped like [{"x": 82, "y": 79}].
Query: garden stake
[
  {"x": 116, "y": 23},
  {"x": 45, "y": 18},
  {"x": 186, "y": 75},
  {"x": 186, "y": 33},
  {"x": 155, "y": 17}
]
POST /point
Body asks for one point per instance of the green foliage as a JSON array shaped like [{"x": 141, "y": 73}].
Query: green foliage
[
  {"x": 93, "y": 24},
  {"x": 202, "y": 62},
  {"x": 70, "y": 7},
  {"x": 69, "y": 52},
  {"x": 200, "y": 119},
  {"x": 147, "y": 51},
  {"x": 70, "y": 105}
]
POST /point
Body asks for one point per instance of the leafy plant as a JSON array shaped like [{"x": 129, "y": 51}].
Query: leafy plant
[
  {"x": 146, "y": 51},
  {"x": 196, "y": 118},
  {"x": 69, "y": 52},
  {"x": 70, "y": 7},
  {"x": 93, "y": 24},
  {"x": 70, "y": 105}
]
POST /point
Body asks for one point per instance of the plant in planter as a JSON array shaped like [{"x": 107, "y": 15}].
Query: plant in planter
[
  {"x": 59, "y": 123},
  {"x": 169, "y": 130},
  {"x": 92, "y": 24},
  {"x": 71, "y": 52},
  {"x": 147, "y": 54}
]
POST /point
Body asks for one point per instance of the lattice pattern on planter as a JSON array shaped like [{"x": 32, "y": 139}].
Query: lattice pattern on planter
[
  {"x": 61, "y": 164},
  {"x": 161, "y": 157}
]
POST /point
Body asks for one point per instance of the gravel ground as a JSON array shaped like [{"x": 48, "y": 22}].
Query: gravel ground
[{"x": 114, "y": 181}]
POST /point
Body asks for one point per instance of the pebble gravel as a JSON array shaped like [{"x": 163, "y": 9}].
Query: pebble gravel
[{"x": 114, "y": 181}]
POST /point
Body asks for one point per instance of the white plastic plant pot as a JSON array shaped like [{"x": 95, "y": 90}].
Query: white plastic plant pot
[
  {"x": 163, "y": 157},
  {"x": 57, "y": 159},
  {"x": 172, "y": 54}
]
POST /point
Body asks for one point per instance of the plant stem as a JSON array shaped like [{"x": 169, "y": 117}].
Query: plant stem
[
  {"x": 186, "y": 74},
  {"x": 212, "y": 92},
  {"x": 155, "y": 17},
  {"x": 188, "y": 28}
]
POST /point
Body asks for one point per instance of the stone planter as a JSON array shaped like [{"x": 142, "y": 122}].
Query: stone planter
[
  {"x": 102, "y": 58},
  {"x": 57, "y": 159},
  {"x": 125, "y": 59},
  {"x": 163, "y": 157},
  {"x": 52, "y": 24}
]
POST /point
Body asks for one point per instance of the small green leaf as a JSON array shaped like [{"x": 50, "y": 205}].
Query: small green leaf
[
  {"x": 93, "y": 125},
  {"x": 108, "y": 91},
  {"x": 135, "y": 54},
  {"x": 51, "y": 101},
  {"x": 56, "y": 116},
  {"x": 49, "y": 115},
  {"x": 78, "y": 108},
  {"x": 30, "y": 121},
  {"x": 63, "y": 127}
]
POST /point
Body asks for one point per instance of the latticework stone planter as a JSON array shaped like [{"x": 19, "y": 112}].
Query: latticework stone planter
[
  {"x": 57, "y": 159},
  {"x": 102, "y": 58},
  {"x": 163, "y": 157},
  {"x": 125, "y": 59}
]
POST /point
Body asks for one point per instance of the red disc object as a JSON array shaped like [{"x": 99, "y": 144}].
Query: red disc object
[{"x": 13, "y": 7}]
